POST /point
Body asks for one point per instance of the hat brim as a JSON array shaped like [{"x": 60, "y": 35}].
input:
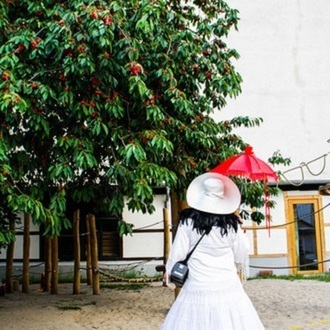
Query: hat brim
[{"x": 199, "y": 200}]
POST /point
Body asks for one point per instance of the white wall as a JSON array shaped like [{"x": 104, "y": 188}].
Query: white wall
[
  {"x": 34, "y": 241},
  {"x": 146, "y": 244},
  {"x": 285, "y": 65}
]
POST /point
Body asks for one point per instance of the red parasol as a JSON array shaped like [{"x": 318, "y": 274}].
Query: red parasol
[
  {"x": 246, "y": 165},
  {"x": 249, "y": 166}
]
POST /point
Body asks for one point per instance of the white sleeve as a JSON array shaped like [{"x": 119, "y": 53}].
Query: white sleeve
[
  {"x": 179, "y": 250},
  {"x": 241, "y": 246}
]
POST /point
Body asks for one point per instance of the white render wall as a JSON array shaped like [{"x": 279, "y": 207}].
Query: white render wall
[
  {"x": 145, "y": 244},
  {"x": 285, "y": 65},
  {"x": 34, "y": 241}
]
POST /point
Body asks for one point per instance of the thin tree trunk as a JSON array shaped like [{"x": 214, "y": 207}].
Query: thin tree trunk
[
  {"x": 177, "y": 206},
  {"x": 94, "y": 253},
  {"x": 54, "y": 280},
  {"x": 48, "y": 265},
  {"x": 167, "y": 237},
  {"x": 175, "y": 212},
  {"x": 76, "y": 238},
  {"x": 10, "y": 261},
  {"x": 89, "y": 272},
  {"x": 26, "y": 254}
]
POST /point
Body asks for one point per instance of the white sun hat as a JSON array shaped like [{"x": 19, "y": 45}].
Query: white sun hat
[{"x": 213, "y": 193}]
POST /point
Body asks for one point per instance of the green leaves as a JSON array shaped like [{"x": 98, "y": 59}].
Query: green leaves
[
  {"x": 85, "y": 159},
  {"x": 138, "y": 87},
  {"x": 124, "y": 228},
  {"x": 58, "y": 202},
  {"x": 98, "y": 128},
  {"x": 6, "y": 236},
  {"x": 134, "y": 151},
  {"x": 12, "y": 101},
  {"x": 62, "y": 172}
]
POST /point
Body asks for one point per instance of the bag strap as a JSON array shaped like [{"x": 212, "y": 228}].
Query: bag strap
[{"x": 191, "y": 252}]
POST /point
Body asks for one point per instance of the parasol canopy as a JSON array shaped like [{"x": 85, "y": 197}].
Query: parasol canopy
[{"x": 247, "y": 165}]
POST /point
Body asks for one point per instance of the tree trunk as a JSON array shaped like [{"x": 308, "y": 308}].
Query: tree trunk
[
  {"x": 54, "y": 279},
  {"x": 167, "y": 237},
  {"x": 10, "y": 261},
  {"x": 76, "y": 246},
  {"x": 26, "y": 254},
  {"x": 177, "y": 206},
  {"x": 94, "y": 253},
  {"x": 89, "y": 273},
  {"x": 174, "y": 212},
  {"x": 48, "y": 265}
]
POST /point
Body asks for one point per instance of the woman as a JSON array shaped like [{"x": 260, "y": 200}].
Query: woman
[{"x": 213, "y": 296}]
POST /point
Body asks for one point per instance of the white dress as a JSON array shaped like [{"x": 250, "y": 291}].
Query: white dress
[{"x": 213, "y": 296}]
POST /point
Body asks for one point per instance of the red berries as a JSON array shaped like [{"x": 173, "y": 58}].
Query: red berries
[
  {"x": 135, "y": 69},
  {"x": 96, "y": 81},
  {"x": 19, "y": 49},
  {"x": 107, "y": 20},
  {"x": 34, "y": 44},
  {"x": 208, "y": 75},
  {"x": 94, "y": 114},
  {"x": 94, "y": 15},
  {"x": 5, "y": 76}
]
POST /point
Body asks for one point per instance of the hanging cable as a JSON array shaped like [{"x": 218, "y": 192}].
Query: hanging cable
[
  {"x": 290, "y": 267},
  {"x": 301, "y": 167},
  {"x": 291, "y": 182},
  {"x": 289, "y": 223},
  {"x": 324, "y": 164}
]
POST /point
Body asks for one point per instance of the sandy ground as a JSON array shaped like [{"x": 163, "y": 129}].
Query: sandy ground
[{"x": 281, "y": 304}]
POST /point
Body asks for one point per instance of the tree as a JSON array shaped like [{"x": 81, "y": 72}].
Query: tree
[
  {"x": 106, "y": 99},
  {"x": 8, "y": 221}
]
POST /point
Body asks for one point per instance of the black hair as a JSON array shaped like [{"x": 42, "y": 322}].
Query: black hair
[{"x": 203, "y": 221}]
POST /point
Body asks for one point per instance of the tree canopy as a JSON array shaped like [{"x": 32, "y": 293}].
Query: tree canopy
[{"x": 106, "y": 99}]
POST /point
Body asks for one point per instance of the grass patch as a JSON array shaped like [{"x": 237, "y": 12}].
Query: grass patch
[
  {"x": 73, "y": 305},
  {"x": 316, "y": 277},
  {"x": 134, "y": 274},
  {"x": 123, "y": 286}
]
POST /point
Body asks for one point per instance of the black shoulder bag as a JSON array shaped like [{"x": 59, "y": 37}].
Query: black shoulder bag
[{"x": 180, "y": 269}]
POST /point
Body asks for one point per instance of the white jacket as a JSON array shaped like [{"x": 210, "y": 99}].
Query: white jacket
[{"x": 215, "y": 258}]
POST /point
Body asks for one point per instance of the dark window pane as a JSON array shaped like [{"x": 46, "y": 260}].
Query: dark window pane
[{"x": 305, "y": 234}]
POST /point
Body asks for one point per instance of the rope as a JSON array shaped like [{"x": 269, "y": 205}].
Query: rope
[
  {"x": 290, "y": 267},
  {"x": 289, "y": 223},
  {"x": 291, "y": 182},
  {"x": 324, "y": 164},
  {"x": 302, "y": 165},
  {"x": 153, "y": 224},
  {"x": 71, "y": 235},
  {"x": 114, "y": 278},
  {"x": 87, "y": 233}
]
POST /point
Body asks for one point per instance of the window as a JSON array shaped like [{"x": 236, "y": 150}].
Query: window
[{"x": 305, "y": 233}]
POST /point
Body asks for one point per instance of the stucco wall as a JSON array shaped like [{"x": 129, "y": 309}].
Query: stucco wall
[
  {"x": 148, "y": 243},
  {"x": 285, "y": 65}
]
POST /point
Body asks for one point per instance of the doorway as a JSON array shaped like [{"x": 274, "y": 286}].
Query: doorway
[{"x": 305, "y": 234}]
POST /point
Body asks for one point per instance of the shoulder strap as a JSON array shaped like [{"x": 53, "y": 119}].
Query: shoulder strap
[{"x": 191, "y": 252}]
